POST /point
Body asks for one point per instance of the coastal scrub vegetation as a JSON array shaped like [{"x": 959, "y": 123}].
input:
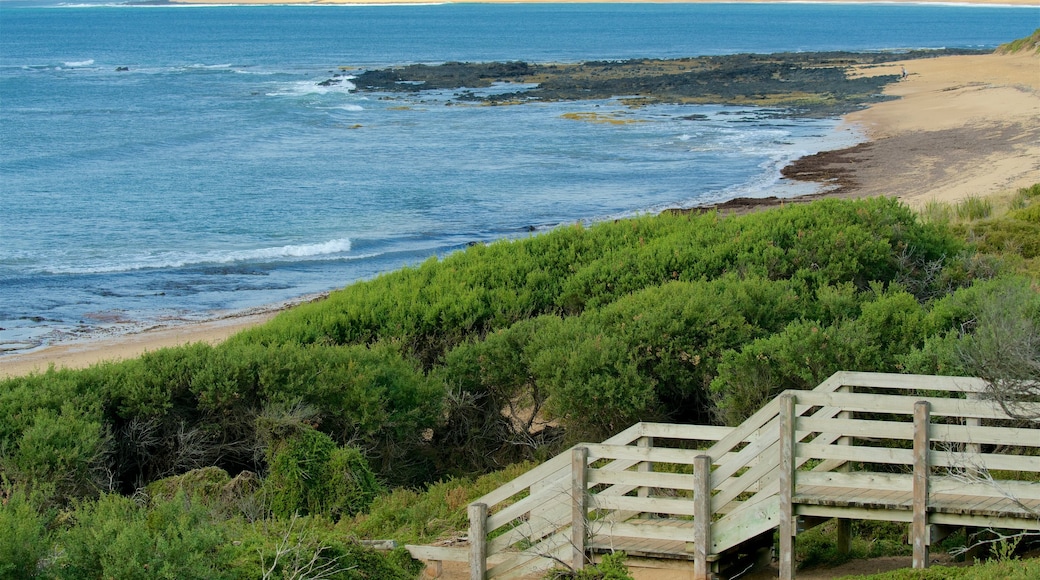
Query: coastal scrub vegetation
[{"x": 271, "y": 454}]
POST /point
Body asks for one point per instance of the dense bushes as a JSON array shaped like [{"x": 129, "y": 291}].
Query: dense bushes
[
  {"x": 574, "y": 334},
  {"x": 495, "y": 354}
]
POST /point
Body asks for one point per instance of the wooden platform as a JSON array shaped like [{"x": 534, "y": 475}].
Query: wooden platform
[{"x": 923, "y": 450}]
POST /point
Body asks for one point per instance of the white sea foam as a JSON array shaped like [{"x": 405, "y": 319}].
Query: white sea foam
[
  {"x": 78, "y": 63},
  {"x": 329, "y": 250},
  {"x": 304, "y": 88},
  {"x": 209, "y": 66}
]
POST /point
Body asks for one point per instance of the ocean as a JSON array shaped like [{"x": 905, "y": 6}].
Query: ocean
[{"x": 167, "y": 164}]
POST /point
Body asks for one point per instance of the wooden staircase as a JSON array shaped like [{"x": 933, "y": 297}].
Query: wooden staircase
[{"x": 925, "y": 450}]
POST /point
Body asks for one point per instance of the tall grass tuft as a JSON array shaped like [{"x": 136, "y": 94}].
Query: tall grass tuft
[
  {"x": 974, "y": 207},
  {"x": 936, "y": 212}
]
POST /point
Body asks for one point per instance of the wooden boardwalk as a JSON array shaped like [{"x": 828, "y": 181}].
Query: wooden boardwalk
[{"x": 905, "y": 448}]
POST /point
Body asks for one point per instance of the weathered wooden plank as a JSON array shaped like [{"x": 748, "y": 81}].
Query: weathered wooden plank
[
  {"x": 855, "y": 453},
  {"x": 858, "y": 428},
  {"x": 580, "y": 506},
  {"x": 702, "y": 518},
  {"x": 530, "y": 532},
  {"x": 1020, "y": 490},
  {"x": 646, "y": 529},
  {"x": 557, "y": 466},
  {"x": 865, "y": 481},
  {"x": 741, "y": 432},
  {"x": 1013, "y": 436},
  {"x": 538, "y": 558},
  {"x": 919, "y": 526},
  {"x": 644, "y": 467},
  {"x": 883, "y": 500},
  {"x": 855, "y": 513},
  {"x": 770, "y": 488},
  {"x": 630, "y": 452},
  {"x": 741, "y": 459},
  {"x": 787, "y": 483},
  {"x": 903, "y": 404},
  {"x": 656, "y": 505},
  {"x": 685, "y": 432},
  {"x": 730, "y": 489},
  {"x": 986, "y": 521},
  {"x": 553, "y": 492},
  {"x": 442, "y": 553},
  {"x": 477, "y": 541},
  {"x": 680, "y": 481},
  {"x": 738, "y": 527},
  {"x": 549, "y": 469},
  {"x": 899, "y": 381}
]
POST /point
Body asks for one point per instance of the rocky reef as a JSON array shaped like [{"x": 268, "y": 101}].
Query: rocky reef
[{"x": 805, "y": 83}]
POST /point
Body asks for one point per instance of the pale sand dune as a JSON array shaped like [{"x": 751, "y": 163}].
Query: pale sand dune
[{"x": 964, "y": 125}]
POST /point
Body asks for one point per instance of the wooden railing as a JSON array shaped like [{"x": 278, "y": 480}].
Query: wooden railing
[{"x": 917, "y": 449}]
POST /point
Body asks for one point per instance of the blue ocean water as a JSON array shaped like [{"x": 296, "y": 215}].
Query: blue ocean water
[{"x": 217, "y": 174}]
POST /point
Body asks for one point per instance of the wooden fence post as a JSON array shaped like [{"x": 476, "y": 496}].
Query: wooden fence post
[
  {"x": 645, "y": 466},
  {"x": 579, "y": 505},
  {"x": 477, "y": 541},
  {"x": 843, "y": 536},
  {"x": 786, "y": 465},
  {"x": 919, "y": 527},
  {"x": 701, "y": 516}
]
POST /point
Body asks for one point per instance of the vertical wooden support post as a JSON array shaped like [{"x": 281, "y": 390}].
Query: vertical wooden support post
[
  {"x": 787, "y": 522},
  {"x": 645, "y": 466},
  {"x": 973, "y": 448},
  {"x": 579, "y": 505},
  {"x": 477, "y": 541},
  {"x": 919, "y": 527},
  {"x": 701, "y": 516},
  {"x": 843, "y": 539}
]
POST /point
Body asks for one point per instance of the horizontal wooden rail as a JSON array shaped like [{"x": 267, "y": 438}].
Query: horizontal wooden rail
[{"x": 640, "y": 490}]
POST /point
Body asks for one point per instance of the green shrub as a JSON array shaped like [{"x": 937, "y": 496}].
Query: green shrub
[
  {"x": 421, "y": 517},
  {"x": 1006, "y": 236},
  {"x": 310, "y": 475},
  {"x": 25, "y": 540},
  {"x": 1030, "y": 214},
  {"x": 64, "y": 451},
  {"x": 610, "y": 567},
  {"x": 114, "y": 537}
]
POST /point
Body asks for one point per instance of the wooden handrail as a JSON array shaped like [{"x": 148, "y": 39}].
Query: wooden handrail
[{"x": 753, "y": 472}]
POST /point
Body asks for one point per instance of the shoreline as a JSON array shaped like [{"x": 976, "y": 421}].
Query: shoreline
[{"x": 961, "y": 126}]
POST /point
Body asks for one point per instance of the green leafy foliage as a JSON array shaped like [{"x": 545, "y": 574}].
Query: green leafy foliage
[
  {"x": 610, "y": 567},
  {"x": 114, "y": 537},
  {"x": 25, "y": 540},
  {"x": 465, "y": 364},
  {"x": 309, "y": 474}
]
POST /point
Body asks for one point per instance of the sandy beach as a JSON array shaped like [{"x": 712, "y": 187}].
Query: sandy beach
[{"x": 961, "y": 126}]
